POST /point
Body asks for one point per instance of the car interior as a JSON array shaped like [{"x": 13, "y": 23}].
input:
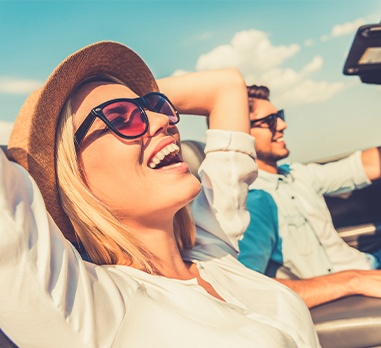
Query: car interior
[{"x": 354, "y": 321}]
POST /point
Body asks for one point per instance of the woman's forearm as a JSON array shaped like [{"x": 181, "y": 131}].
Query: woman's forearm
[{"x": 219, "y": 94}]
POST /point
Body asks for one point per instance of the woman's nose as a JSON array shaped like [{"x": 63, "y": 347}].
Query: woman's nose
[{"x": 157, "y": 123}]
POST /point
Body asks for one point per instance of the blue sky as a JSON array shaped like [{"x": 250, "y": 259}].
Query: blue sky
[{"x": 297, "y": 48}]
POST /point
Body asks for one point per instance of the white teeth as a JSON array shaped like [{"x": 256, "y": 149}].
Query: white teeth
[
  {"x": 173, "y": 147},
  {"x": 169, "y": 149},
  {"x": 161, "y": 155}
]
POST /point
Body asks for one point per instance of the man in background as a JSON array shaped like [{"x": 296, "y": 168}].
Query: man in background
[{"x": 291, "y": 225}]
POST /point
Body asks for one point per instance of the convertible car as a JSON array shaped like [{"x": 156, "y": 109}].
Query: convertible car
[{"x": 354, "y": 321}]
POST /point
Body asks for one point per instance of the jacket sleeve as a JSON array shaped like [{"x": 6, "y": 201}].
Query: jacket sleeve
[
  {"x": 226, "y": 173},
  {"x": 338, "y": 177},
  {"x": 48, "y": 293}
]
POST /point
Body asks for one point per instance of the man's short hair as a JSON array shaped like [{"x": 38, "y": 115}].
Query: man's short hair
[{"x": 258, "y": 92}]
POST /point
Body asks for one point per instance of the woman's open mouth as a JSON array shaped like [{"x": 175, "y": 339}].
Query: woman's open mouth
[{"x": 166, "y": 156}]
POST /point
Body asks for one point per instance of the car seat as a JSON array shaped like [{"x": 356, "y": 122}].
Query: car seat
[
  {"x": 193, "y": 154},
  {"x": 351, "y": 322}
]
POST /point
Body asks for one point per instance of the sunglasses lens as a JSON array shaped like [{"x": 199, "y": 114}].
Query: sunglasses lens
[
  {"x": 158, "y": 103},
  {"x": 126, "y": 118},
  {"x": 272, "y": 120}
]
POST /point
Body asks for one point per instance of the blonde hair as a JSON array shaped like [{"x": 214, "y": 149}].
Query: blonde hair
[{"x": 105, "y": 239}]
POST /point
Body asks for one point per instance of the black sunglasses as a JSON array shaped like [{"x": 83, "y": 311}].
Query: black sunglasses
[
  {"x": 127, "y": 117},
  {"x": 270, "y": 120}
]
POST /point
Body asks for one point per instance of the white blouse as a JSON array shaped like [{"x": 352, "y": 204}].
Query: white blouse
[{"x": 50, "y": 297}]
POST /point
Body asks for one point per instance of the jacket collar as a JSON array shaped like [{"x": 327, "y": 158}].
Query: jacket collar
[{"x": 267, "y": 181}]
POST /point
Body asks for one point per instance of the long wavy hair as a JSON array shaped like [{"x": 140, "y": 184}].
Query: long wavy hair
[{"x": 105, "y": 238}]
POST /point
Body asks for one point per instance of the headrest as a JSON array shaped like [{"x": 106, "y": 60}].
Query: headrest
[{"x": 193, "y": 154}]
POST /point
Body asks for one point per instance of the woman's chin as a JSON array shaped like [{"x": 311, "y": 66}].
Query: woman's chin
[
  {"x": 191, "y": 189},
  {"x": 195, "y": 194}
]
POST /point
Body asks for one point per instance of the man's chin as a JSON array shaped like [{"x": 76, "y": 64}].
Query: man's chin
[
  {"x": 283, "y": 155},
  {"x": 272, "y": 157}
]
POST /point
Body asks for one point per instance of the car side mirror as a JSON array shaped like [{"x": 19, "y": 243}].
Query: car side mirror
[{"x": 364, "y": 57}]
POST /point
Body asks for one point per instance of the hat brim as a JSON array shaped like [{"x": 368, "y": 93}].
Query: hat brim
[{"x": 32, "y": 140}]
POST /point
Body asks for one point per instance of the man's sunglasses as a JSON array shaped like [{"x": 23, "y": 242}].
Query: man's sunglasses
[
  {"x": 127, "y": 117},
  {"x": 270, "y": 120}
]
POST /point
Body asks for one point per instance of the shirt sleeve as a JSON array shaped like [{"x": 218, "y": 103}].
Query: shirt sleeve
[
  {"x": 338, "y": 177},
  {"x": 227, "y": 171},
  {"x": 261, "y": 237},
  {"x": 48, "y": 293}
]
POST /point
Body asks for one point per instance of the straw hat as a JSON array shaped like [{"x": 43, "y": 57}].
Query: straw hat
[{"x": 32, "y": 141}]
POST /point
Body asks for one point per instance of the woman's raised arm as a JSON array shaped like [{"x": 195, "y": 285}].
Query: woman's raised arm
[{"x": 211, "y": 93}]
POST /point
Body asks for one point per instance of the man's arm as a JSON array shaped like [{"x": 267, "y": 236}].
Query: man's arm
[
  {"x": 326, "y": 288},
  {"x": 258, "y": 245},
  {"x": 371, "y": 160}
]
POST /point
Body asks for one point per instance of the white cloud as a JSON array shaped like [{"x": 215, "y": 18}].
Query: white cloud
[
  {"x": 315, "y": 65},
  {"x": 309, "y": 91},
  {"x": 180, "y": 72},
  {"x": 9, "y": 85},
  {"x": 347, "y": 28},
  {"x": 247, "y": 50},
  {"x": 5, "y": 131},
  {"x": 262, "y": 62},
  {"x": 308, "y": 42}
]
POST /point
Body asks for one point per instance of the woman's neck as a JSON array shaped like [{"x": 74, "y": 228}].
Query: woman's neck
[
  {"x": 159, "y": 240},
  {"x": 169, "y": 263}
]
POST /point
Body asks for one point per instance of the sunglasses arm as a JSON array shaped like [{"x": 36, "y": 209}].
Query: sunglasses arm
[{"x": 84, "y": 127}]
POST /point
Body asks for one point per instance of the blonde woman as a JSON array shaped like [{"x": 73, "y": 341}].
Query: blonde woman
[{"x": 101, "y": 142}]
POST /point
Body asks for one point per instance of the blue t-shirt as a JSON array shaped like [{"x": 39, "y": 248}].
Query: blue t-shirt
[
  {"x": 261, "y": 246},
  {"x": 291, "y": 224}
]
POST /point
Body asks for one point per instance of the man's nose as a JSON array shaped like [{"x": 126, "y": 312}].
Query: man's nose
[{"x": 281, "y": 124}]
